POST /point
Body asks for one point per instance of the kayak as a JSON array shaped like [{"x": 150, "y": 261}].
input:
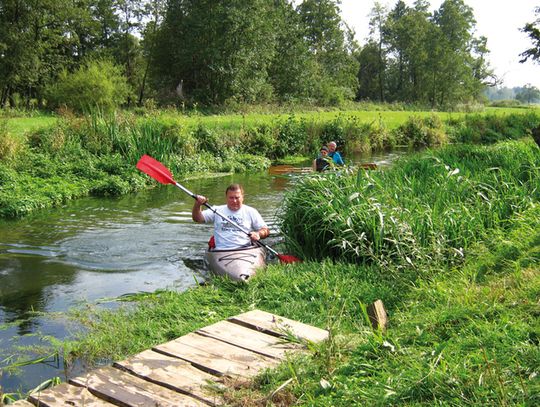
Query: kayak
[{"x": 238, "y": 264}]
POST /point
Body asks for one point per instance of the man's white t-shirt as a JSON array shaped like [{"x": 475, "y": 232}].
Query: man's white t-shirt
[{"x": 228, "y": 236}]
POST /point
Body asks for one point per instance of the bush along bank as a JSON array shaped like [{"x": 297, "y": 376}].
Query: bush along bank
[
  {"x": 461, "y": 332},
  {"x": 96, "y": 154}
]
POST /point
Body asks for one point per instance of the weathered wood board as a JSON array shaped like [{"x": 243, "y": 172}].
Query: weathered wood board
[
  {"x": 173, "y": 373},
  {"x": 123, "y": 389},
  {"x": 279, "y": 326},
  {"x": 66, "y": 395},
  {"x": 188, "y": 370},
  {"x": 22, "y": 403},
  {"x": 216, "y": 357},
  {"x": 250, "y": 339}
]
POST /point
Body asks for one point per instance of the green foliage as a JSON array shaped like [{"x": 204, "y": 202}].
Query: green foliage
[
  {"x": 99, "y": 151},
  {"x": 260, "y": 140},
  {"x": 291, "y": 137},
  {"x": 533, "y": 31},
  {"x": 208, "y": 140},
  {"x": 429, "y": 207},
  {"x": 421, "y": 132},
  {"x": 10, "y": 145},
  {"x": 97, "y": 85},
  {"x": 491, "y": 128},
  {"x": 422, "y": 57}
]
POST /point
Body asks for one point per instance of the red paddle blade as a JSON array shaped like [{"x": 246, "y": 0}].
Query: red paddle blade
[
  {"x": 155, "y": 169},
  {"x": 288, "y": 259}
]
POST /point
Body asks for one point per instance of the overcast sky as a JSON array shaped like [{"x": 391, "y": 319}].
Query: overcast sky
[{"x": 497, "y": 20}]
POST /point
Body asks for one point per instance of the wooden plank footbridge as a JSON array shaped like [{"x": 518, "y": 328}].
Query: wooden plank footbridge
[{"x": 187, "y": 371}]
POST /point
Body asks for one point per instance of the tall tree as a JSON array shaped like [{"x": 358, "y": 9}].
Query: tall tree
[
  {"x": 406, "y": 31},
  {"x": 456, "y": 73},
  {"x": 528, "y": 94},
  {"x": 292, "y": 70},
  {"x": 368, "y": 72},
  {"x": 533, "y": 31},
  {"x": 332, "y": 46},
  {"x": 377, "y": 20},
  {"x": 216, "y": 50},
  {"x": 36, "y": 41}
]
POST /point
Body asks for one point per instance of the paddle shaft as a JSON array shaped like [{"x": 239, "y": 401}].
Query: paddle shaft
[{"x": 232, "y": 222}]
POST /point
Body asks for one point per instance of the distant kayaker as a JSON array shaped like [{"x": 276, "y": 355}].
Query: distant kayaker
[
  {"x": 322, "y": 162},
  {"x": 226, "y": 235},
  {"x": 335, "y": 155}
]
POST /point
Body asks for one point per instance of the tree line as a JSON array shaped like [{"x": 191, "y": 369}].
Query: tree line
[{"x": 210, "y": 52}]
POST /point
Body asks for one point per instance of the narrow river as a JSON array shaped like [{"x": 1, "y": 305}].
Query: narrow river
[{"x": 94, "y": 250}]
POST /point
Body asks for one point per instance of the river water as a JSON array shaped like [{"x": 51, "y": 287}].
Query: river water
[{"x": 94, "y": 250}]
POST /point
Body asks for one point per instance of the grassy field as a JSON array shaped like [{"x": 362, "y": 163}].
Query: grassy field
[
  {"x": 71, "y": 157},
  {"x": 24, "y": 125},
  {"x": 236, "y": 122}
]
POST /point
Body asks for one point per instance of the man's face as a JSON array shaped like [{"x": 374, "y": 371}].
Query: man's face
[
  {"x": 332, "y": 147},
  {"x": 235, "y": 199}
]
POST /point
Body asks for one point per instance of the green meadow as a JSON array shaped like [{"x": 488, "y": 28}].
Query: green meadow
[{"x": 237, "y": 121}]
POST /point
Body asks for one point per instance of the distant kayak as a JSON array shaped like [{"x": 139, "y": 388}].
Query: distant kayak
[{"x": 239, "y": 264}]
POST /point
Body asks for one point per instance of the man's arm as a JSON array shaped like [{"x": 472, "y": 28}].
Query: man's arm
[
  {"x": 262, "y": 233},
  {"x": 196, "y": 212},
  {"x": 339, "y": 159}
]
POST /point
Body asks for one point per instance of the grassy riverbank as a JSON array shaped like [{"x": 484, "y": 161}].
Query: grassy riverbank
[
  {"x": 463, "y": 329},
  {"x": 96, "y": 154}
]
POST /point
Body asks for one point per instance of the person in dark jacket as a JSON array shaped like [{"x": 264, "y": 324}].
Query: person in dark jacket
[{"x": 322, "y": 162}]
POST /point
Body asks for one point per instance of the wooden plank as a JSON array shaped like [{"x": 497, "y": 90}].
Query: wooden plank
[
  {"x": 22, "y": 403},
  {"x": 123, "y": 389},
  {"x": 251, "y": 339},
  {"x": 228, "y": 351},
  {"x": 66, "y": 395},
  {"x": 279, "y": 326},
  {"x": 216, "y": 357},
  {"x": 173, "y": 373}
]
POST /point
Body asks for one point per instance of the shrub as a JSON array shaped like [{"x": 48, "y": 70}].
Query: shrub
[
  {"x": 259, "y": 140},
  {"x": 208, "y": 140},
  {"x": 96, "y": 85},
  {"x": 421, "y": 132},
  {"x": 291, "y": 137}
]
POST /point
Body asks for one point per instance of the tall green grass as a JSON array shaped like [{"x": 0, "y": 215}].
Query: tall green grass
[{"x": 429, "y": 207}]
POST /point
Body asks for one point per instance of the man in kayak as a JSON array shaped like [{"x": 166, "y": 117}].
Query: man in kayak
[
  {"x": 335, "y": 155},
  {"x": 226, "y": 235}
]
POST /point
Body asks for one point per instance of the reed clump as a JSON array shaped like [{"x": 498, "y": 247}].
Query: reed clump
[{"x": 429, "y": 207}]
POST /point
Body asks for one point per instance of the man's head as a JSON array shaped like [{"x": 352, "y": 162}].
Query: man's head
[
  {"x": 324, "y": 151},
  {"x": 235, "y": 196},
  {"x": 332, "y": 146}
]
